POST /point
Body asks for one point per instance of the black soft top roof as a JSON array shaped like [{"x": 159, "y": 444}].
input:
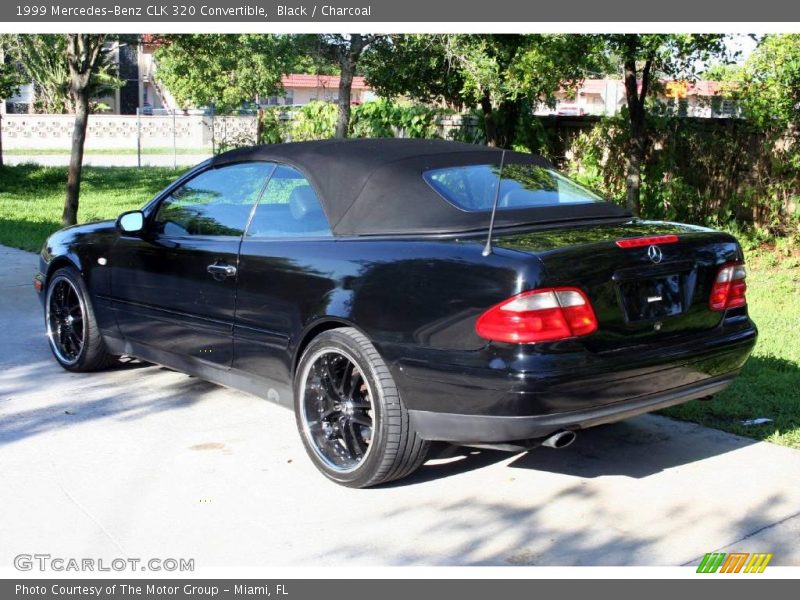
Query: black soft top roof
[{"x": 375, "y": 186}]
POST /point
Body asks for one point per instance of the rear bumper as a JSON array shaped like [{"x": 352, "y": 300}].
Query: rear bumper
[
  {"x": 506, "y": 393},
  {"x": 460, "y": 428}
]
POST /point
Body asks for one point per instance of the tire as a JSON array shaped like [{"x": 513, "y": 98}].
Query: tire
[
  {"x": 389, "y": 447},
  {"x": 63, "y": 329}
]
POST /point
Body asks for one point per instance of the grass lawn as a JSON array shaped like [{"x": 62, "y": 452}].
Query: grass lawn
[
  {"x": 31, "y": 200},
  {"x": 769, "y": 384}
]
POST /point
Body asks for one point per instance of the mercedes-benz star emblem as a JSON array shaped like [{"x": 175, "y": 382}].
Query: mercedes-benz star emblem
[{"x": 654, "y": 253}]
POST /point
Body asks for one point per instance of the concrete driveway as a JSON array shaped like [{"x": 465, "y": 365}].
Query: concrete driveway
[{"x": 144, "y": 462}]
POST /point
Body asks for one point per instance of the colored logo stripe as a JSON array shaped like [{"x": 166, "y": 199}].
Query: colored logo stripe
[
  {"x": 735, "y": 562},
  {"x": 758, "y": 563},
  {"x": 711, "y": 562}
]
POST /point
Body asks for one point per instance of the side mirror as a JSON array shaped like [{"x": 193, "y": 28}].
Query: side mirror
[{"x": 131, "y": 222}]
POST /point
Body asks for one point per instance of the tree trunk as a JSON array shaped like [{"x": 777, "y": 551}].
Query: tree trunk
[
  {"x": 637, "y": 125},
  {"x": 508, "y": 115},
  {"x": 489, "y": 126},
  {"x": 347, "y": 65},
  {"x": 500, "y": 124},
  {"x": 636, "y": 156},
  {"x": 70, "y": 214}
]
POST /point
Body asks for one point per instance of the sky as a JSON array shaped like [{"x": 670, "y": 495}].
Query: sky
[{"x": 743, "y": 43}]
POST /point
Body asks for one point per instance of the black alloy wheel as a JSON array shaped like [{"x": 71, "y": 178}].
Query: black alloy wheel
[
  {"x": 72, "y": 329},
  {"x": 337, "y": 410},
  {"x": 66, "y": 326},
  {"x": 352, "y": 421}
]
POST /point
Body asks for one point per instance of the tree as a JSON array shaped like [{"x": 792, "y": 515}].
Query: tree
[
  {"x": 44, "y": 62},
  {"x": 723, "y": 71},
  {"x": 346, "y": 51},
  {"x": 85, "y": 53},
  {"x": 509, "y": 74},
  {"x": 221, "y": 70},
  {"x": 506, "y": 76},
  {"x": 413, "y": 65},
  {"x": 769, "y": 92},
  {"x": 643, "y": 58},
  {"x": 10, "y": 81}
]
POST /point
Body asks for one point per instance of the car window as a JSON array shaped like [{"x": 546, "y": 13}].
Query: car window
[
  {"x": 473, "y": 187},
  {"x": 289, "y": 207},
  {"x": 216, "y": 202}
]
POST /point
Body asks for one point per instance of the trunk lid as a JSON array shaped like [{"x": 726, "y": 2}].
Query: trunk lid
[{"x": 639, "y": 294}]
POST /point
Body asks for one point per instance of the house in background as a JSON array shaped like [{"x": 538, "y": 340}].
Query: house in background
[
  {"x": 607, "y": 97},
  {"x": 593, "y": 97},
  {"x": 300, "y": 89}
]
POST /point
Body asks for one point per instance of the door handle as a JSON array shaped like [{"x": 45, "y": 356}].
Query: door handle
[{"x": 221, "y": 270}]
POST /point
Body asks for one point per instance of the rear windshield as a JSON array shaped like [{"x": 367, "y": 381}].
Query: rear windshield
[{"x": 472, "y": 187}]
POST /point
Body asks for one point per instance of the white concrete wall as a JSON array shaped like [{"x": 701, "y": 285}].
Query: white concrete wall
[{"x": 121, "y": 131}]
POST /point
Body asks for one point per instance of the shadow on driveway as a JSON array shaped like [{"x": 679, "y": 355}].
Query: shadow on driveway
[
  {"x": 137, "y": 401},
  {"x": 636, "y": 448}
]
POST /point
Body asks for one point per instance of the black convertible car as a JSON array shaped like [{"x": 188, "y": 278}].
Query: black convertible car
[{"x": 400, "y": 292}]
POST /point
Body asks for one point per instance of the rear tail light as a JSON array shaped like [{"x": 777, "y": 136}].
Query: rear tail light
[
  {"x": 544, "y": 315},
  {"x": 729, "y": 288},
  {"x": 647, "y": 241}
]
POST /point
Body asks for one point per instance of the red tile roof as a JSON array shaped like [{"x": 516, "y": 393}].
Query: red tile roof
[{"x": 300, "y": 80}]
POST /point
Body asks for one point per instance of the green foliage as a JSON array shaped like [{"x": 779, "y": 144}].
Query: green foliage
[
  {"x": 374, "y": 119},
  {"x": 646, "y": 60},
  {"x": 415, "y": 66},
  {"x": 769, "y": 93},
  {"x": 10, "y": 77},
  {"x": 723, "y": 71},
  {"x": 273, "y": 128},
  {"x": 696, "y": 172},
  {"x": 310, "y": 56},
  {"x": 221, "y": 70},
  {"x": 418, "y": 120},
  {"x": 671, "y": 55},
  {"x": 503, "y": 75},
  {"x": 508, "y": 75},
  {"x": 383, "y": 118},
  {"x": 507, "y": 67},
  {"x": 233, "y": 140},
  {"x": 313, "y": 121},
  {"x": 43, "y": 58},
  {"x": 379, "y": 118}
]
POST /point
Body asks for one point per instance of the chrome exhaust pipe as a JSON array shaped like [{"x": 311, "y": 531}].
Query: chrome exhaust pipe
[{"x": 559, "y": 440}]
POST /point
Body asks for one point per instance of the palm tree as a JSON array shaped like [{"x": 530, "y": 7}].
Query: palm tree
[{"x": 44, "y": 61}]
